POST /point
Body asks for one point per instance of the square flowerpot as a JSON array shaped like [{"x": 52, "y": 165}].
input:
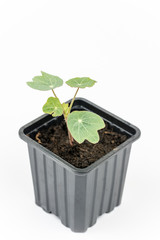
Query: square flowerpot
[{"x": 78, "y": 196}]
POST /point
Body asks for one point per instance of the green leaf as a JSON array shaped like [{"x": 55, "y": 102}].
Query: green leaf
[
  {"x": 53, "y": 107},
  {"x": 65, "y": 106},
  {"x": 81, "y": 82},
  {"x": 65, "y": 109},
  {"x": 83, "y": 125},
  {"x": 45, "y": 82}
]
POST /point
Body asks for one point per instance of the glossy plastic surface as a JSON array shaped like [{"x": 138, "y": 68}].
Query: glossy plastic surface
[{"x": 79, "y": 196}]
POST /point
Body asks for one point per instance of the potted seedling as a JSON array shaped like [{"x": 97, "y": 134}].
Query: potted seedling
[{"x": 79, "y": 154}]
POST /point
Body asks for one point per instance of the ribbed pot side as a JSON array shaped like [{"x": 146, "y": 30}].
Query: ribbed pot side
[{"x": 78, "y": 198}]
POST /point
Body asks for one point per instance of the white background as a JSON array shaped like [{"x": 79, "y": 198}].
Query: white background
[{"x": 114, "y": 42}]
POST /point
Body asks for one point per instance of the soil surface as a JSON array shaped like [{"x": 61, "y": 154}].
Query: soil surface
[{"x": 55, "y": 138}]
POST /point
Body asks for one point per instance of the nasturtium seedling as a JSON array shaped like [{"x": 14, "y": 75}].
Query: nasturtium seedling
[{"x": 81, "y": 125}]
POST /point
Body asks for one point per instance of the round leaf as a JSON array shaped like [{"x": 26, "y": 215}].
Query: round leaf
[
  {"x": 53, "y": 106},
  {"x": 45, "y": 82},
  {"x": 84, "y": 125},
  {"x": 81, "y": 82}
]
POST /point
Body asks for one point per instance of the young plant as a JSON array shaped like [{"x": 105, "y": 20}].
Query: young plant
[{"x": 81, "y": 125}]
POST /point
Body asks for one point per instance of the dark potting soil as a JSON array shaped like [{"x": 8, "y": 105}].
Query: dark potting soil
[{"x": 55, "y": 138}]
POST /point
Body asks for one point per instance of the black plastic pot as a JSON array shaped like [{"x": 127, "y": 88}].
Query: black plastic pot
[{"x": 79, "y": 196}]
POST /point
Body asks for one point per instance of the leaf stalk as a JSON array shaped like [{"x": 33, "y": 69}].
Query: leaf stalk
[
  {"x": 65, "y": 118},
  {"x": 54, "y": 93},
  {"x": 70, "y": 107}
]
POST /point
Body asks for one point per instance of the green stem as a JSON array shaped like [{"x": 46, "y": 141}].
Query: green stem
[
  {"x": 69, "y": 134},
  {"x": 57, "y": 97},
  {"x": 70, "y": 107},
  {"x": 54, "y": 94}
]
